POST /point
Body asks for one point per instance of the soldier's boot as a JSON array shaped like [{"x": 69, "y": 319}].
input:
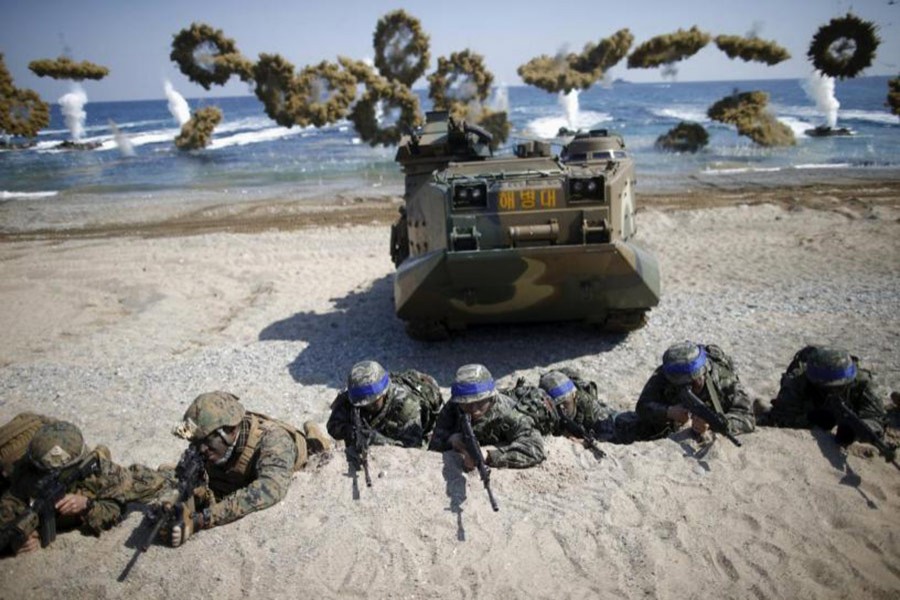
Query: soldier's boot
[{"x": 316, "y": 440}]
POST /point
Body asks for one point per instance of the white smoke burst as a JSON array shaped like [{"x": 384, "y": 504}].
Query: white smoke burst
[
  {"x": 72, "y": 107},
  {"x": 123, "y": 143},
  {"x": 178, "y": 106},
  {"x": 499, "y": 101},
  {"x": 820, "y": 89},
  {"x": 570, "y": 105}
]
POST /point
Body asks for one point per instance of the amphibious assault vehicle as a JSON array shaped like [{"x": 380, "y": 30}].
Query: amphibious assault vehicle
[{"x": 530, "y": 237}]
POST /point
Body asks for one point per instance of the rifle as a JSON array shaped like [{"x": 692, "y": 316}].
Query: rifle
[
  {"x": 41, "y": 511},
  {"x": 361, "y": 444},
  {"x": 862, "y": 429},
  {"x": 587, "y": 438},
  {"x": 717, "y": 422},
  {"x": 188, "y": 474},
  {"x": 475, "y": 452}
]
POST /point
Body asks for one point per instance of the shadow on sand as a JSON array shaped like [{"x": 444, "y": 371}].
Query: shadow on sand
[{"x": 363, "y": 326}]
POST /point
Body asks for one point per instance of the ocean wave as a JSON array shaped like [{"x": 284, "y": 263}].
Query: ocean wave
[
  {"x": 798, "y": 126},
  {"x": 817, "y": 116},
  {"x": 681, "y": 113},
  {"x": 868, "y": 115},
  {"x": 810, "y": 166},
  {"x": 548, "y": 127},
  {"x": 7, "y": 195},
  {"x": 254, "y": 137},
  {"x": 713, "y": 170}
]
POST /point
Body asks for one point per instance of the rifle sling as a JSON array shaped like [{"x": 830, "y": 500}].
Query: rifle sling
[{"x": 714, "y": 396}]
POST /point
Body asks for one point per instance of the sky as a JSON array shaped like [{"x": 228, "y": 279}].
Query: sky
[{"x": 133, "y": 38}]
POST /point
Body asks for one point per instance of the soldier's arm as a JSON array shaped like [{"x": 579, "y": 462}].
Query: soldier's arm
[
  {"x": 740, "y": 412},
  {"x": 274, "y": 468},
  {"x": 869, "y": 406},
  {"x": 11, "y": 506},
  {"x": 339, "y": 424},
  {"x": 444, "y": 427},
  {"x": 789, "y": 408},
  {"x": 590, "y": 410},
  {"x": 411, "y": 432},
  {"x": 525, "y": 448},
  {"x": 651, "y": 406},
  {"x": 109, "y": 492}
]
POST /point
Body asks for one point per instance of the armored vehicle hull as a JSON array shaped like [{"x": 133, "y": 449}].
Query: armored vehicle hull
[{"x": 518, "y": 239}]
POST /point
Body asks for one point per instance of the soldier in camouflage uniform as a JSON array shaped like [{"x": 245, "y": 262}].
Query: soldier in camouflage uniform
[
  {"x": 577, "y": 403},
  {"x": 391, "y": 406},
  {"x": 710, "y": 374},
  {"x": 815, "y": 380},
  {"x": 92, "y": 504},
  {"x": 495, "y": 421},
  {"x": 249, "y": 460}
]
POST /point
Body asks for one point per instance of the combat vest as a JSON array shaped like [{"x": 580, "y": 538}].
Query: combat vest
[
  {"x": 241, "y": 470},
  {"x": 425, "y": 389}
]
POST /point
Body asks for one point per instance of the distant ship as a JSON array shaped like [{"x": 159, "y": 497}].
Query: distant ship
[{"x": 826, "y": 131}]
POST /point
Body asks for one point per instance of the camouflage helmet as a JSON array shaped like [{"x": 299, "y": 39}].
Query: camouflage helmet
[
  {"x": 56, "y": 445},
  {"x": 208, "y": 412},
  {"x": 472, "y": 384},
  {"x": 684, "y": 362},
  {"x": 367, "y": 382},
  {"x": 830, "y": 367},
  {"x": 558, "y": 386}
]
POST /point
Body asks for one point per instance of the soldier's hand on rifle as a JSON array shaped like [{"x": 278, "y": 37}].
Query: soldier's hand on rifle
[
  {"x": 699, "y": 425},
  {"x": 458, "y": 442},
  {"x": 678, "y": 413},
  {"x": 186, "y": 527},
  {"x": 31, "y": 543},
  {"x": 72, "y": 505}
]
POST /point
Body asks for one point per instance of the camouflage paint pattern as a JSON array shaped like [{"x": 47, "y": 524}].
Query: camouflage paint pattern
[
  {"x": 518, "y": 443},
  {"x": 532, "y": 244}
]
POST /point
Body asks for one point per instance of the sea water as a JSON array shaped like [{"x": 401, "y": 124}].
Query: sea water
[{"x": 252, "y": 156}]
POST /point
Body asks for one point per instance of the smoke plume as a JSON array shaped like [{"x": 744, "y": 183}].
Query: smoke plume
[
  {"x": 820, "y": 89},
  {"x": 570, "y": 104},
  {"x": 72, "y": 107},
  {"x": 178, "y": 106},
  {"x": 122, "y": 142}
]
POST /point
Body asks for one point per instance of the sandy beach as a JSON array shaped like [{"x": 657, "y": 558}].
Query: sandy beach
[{"x": 116, "y": 317}]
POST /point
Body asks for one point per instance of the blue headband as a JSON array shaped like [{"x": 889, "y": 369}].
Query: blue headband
[
  {"x": 686, "y": 368},
  {"x": 825, "y": 375},
  {"x": 470, "y": 389},
  {"x": 360, "y": 392},
  {"x": 561, "y": 389}
]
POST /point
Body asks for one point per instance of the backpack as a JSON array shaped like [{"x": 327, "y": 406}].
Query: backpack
[
  {"x": 585, "y": 386},
  {"x": 426, "y": 390},
  {"x": 798, "y": 362},
  {"x": 534, "y": 403},
  {"x": 15, "y": 436},
  {"x": 718, "y": 356}
]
